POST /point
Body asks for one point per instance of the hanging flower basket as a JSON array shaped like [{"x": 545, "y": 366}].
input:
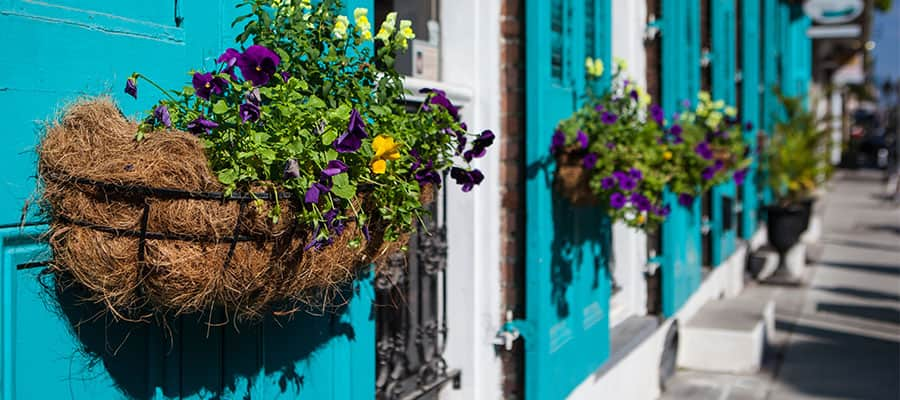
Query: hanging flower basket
[{"x": 263, "y": 186}]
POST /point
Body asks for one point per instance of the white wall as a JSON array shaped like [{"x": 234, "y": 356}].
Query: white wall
[
  {"x": 629, "y": 245},
  {"x": 470, "y": 30}
]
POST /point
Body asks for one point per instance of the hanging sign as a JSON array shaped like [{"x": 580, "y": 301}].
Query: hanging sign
[{"x": 833, "y": 11}]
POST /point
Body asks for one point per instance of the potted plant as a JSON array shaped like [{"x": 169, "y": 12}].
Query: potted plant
[
  {"x": 709, "y": 148},
  {"x": 611, "y": 152},
  {"x": 796, "y": 167},
  {"x": 262, "y": 186}
]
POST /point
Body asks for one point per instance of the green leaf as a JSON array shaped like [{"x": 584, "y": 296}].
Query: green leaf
[
  {"x": 343, "y": 188},
  {"x": 315, "y": 102},
  {"x": 329, "y": 136},
  {"x": 228, "y": 176},
  {"x": 220, "y": 107}
]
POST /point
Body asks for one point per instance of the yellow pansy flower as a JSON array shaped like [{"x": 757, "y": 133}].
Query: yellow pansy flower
[
  {"x": 644, "y": 98},
  {"x": 667, "y": 155},
  {"x": 730, "y": 111},
  {"x": 641, "y": 218},
  {"x": 385, "y": 149},
  {"x": 718, "y": 104},
  {"x": 702, "y": 110}
]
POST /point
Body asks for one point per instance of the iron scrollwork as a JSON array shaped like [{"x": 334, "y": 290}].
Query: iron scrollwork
[{"x": 411, "y": 318}]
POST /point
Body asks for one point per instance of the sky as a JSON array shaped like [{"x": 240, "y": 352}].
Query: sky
[{"x": 886, "y": 35}]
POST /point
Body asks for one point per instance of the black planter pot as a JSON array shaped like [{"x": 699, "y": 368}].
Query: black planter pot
[
  {"x": 806, "y": 205},
  {"x": 785, "y": 225}
]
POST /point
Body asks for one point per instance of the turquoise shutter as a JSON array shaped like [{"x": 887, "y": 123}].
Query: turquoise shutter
[
  {"x": 723, "y": 223},
  {"x": 771, "y": 70},
  {"x": 681, "y": 236},
  {"x": 567, "y": 292},
  {"x": 55, "y": 52},
  {"x": 750, "y": 110}
]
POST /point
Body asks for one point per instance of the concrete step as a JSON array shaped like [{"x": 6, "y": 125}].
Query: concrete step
[{"x": 728, "y": 335}]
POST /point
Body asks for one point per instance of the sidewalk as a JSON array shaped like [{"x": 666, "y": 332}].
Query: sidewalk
[{"x": 838, "y": 336}]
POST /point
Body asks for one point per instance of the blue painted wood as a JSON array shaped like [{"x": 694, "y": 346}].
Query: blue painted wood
[
  {"x": 50, "y": 347},
  {"x": 750, "y": 111},
  {"x": 723, "y": 35},
  {"x": 567, "y": 292},
  {"x": 681, "y": 248}
]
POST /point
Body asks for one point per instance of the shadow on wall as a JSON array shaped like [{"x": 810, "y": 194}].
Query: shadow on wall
[
  {"x": 186, "y": 357},
  {"x": 829, "y": 363},
  {"x": 582, "y": 238}
]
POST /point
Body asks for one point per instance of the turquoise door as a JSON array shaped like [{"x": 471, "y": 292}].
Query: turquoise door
[
  {"x": 723, "y": 227},
  {"x": 55, "y": 51},
  {"x": 681, "y": 234},
  {"x": 567, "y": 248},
  {"x": 751, "y": 39}
]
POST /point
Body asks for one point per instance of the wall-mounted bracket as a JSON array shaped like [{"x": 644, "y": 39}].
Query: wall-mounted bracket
[{"x": 512, "y": 330}]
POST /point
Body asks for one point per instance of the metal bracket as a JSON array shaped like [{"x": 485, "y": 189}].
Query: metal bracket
[
  {"x": 652, "y": 266},
  {"x": 705, "y": 58},
  {"x": 705, "y": 225},
  {"x": 511, "y": 330},
  {"x": 652, "y": 28}
]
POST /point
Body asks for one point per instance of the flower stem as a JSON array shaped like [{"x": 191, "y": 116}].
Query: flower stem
[{"x": 150, "y": 81}]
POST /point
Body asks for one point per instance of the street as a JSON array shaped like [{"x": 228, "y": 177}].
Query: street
[{"x": 838, "y": 336}]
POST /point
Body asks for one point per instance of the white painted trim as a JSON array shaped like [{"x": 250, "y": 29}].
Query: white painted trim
[
  {"x": 470, "y": 30},
  {"x": 629, "y": 245}
]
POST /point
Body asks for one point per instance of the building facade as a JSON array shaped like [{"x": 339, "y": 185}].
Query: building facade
[{"x": 519, "y": 295}]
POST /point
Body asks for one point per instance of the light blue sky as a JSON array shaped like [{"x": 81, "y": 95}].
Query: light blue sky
[{"x": 886, "y": 34}]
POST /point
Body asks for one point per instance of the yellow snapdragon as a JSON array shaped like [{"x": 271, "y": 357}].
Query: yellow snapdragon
[
  {"x": 593, "y": 67},
  {"x": 387, "y": 27},
  {"x": 405, "y": 33},
  {"x": 361, "y": 16},
  {"x": 341, "y": 24}
]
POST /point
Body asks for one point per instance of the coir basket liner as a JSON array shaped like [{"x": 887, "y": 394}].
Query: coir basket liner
[{"x": 144, "y": 226}]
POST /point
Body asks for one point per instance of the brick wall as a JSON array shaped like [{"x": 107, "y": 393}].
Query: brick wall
[{"x": 512, "y": 160}]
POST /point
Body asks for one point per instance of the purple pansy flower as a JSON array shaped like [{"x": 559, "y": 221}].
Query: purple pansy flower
[
  {"x": 229, "y": 58},
  {"x": 582, "y": 139},
  {"x": 607, "y": 183},
  {"x": 627, "y": 184},
  {"x": 291, "y": 169},
  {"x": 619, "y": 175},
  {"x": 315, "y": 190},
  {"x": 702, "y": 149},
  {"x": 201, "y": 125},
  {"x": 718, "y": 165},
  {"x": 656, "y": 112},
  {"x": 334, "y": 167},
  {"x": 708, "y": 173},
  {"x": 161, "y": 115},
  {"x": 635, "y": 173},
  {"x": 249, "y": 112},
  {"x": 558, "y": 141},
  {"x": 598, "y": 108},
  {"x": 285, "y": 76},
  {"x": 590, "y": 160},
  {"x": 480, "y": 145},
  {"x": 466, "y": 179},
  {"x": 610, "y": 145},
  {"x": 439, "y": 97},
  {"x": 633, "y": 94},
  {"x": 426, "y": 174},
  {"x": 204, "y": 84},
  {"x": 131, "y": 87},
  {"x": 675, "y": 129},
  {"x": 258, "y": 64},
  {"x": 739, "y": 176},
  {"x": 351, "y": 140},
  {"x": 748, "y": 126},
  {"x": 617, "y": 200},
  {"x": 608, "y": 118},
  {"x": 685, "y": 199},
  {"x": 640, "y": 202},
  {"x": 662, "y": 211}
]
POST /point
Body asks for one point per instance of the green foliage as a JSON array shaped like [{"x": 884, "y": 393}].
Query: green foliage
[
  {"x": 329, "y": 66},
  {"x": 797, "y": 154},
  {"x": 628, "y": 150},
  {"x": 711, "y": 147}
]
